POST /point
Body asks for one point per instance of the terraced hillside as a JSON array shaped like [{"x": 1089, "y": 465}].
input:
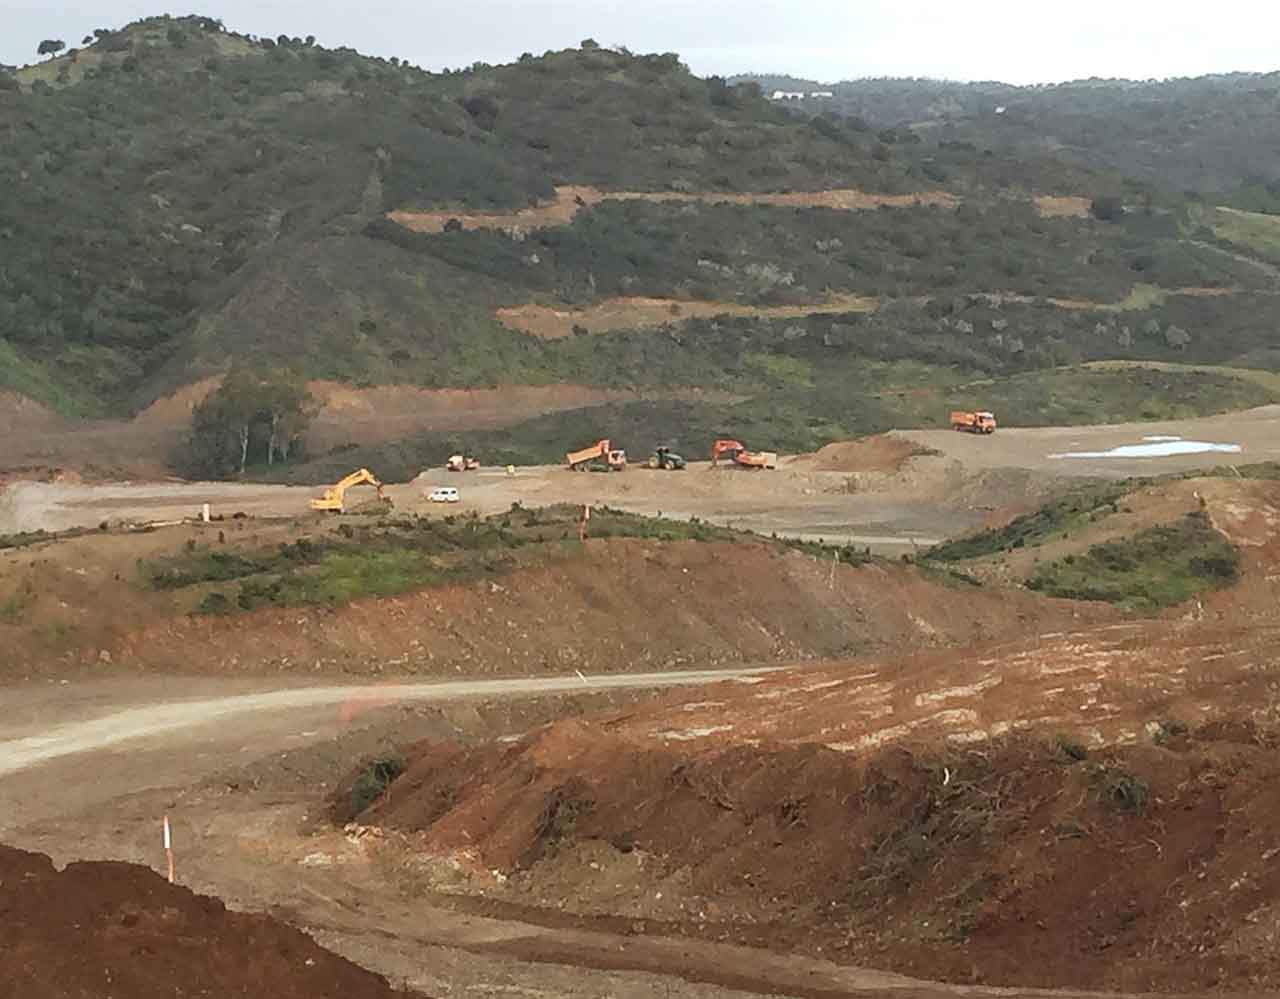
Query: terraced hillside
[{"x": 214, "y": 199}]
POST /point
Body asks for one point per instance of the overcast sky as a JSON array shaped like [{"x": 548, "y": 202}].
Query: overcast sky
[{"x": 1020, "y": 42}]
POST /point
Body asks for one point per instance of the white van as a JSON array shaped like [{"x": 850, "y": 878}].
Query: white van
[{"x": 445, "y": 494}]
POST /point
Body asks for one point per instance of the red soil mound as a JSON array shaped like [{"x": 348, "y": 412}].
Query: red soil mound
[
  {"x": 113, "y": 929},
  {"x": 1141, "y": 868}
]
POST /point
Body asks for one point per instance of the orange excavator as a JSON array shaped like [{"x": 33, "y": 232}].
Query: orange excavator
[
  {"x": 601, "y": 455},
  {"x": 739, "y": 455},
  {"x": 334, "y": 497}
]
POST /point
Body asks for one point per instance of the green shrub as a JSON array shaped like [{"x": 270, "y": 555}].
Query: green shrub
[
  {"x": 373, "y": 780},
  {"x": 1122, "y": 790},
  {"x": 1155, "y": 568}
]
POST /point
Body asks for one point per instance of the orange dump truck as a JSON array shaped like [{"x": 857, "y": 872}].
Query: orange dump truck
[
  {"x": 600, "y": 454},
  {"x": 977, "y": 422}
]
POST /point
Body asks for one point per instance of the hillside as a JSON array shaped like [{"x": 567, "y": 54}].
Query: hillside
[
  {"x": 1213, "y": 135},
  {"x": 231, "y": 163},
  {"x": 587, "y": 220}
]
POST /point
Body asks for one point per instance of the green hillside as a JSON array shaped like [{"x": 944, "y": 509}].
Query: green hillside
[
  {"x": 175, "y": 198},
  {"x": 1215, "y": 135},
  {"x": 149, "y": 179}
]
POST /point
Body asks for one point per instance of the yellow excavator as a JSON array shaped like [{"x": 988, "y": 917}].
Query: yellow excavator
[{"x": 334, "y": 497}]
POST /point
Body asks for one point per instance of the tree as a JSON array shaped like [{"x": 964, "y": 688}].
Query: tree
[
  {"x": 251, "y": 416},
  {"x": 1107, "y": 208},
  {"x": 50, "y": 47}
]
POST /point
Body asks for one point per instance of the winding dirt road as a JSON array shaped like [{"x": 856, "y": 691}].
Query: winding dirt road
[{"x": 17, "y": 754}]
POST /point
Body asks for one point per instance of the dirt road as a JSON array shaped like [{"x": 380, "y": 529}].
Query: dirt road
[
  {"x": 132, "y": 723},
  {"x": 791, "y": 502},
  {"x": 890, "y": 506},
  {"x": 1255, "y": 432}
]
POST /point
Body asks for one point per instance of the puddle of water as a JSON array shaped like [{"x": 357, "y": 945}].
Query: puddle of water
[{"x": 1155, "y": 447}]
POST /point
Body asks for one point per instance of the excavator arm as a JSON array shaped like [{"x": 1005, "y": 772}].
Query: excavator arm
[
  {"x": 724, "y": 446},
  {"x": 334, "y": 496}
]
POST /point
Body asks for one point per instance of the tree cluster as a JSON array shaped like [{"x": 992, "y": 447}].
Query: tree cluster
[{"x": 251, "y": 418}]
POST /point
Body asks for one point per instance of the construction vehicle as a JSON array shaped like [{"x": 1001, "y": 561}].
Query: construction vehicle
[
  {"x": 462, "y": 463},
  {"x": 334, "y": 498},
  {"x": 740, "y": 456},
  {"x": 976, "y": 422},
  {"x": 600, "y": 456},
  {"x": 666, "y": 459}
]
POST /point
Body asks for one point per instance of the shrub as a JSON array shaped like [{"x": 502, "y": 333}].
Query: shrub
[
  {"x": 1107, "y": 208},
  {"x": 373, "y": 780},
  {"x": 1070, "y": 748},
  {"x": 1123, "y": 791}
]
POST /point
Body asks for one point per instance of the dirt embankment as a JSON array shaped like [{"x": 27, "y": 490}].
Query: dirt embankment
[
  {"x": 112, "y": 929},
  {"x": 1091, "y": 810},
  {"x": 571, "y": 199},
  {"x": 645, "y": 313},
  {"x": 1051, "y": 206},
  {"x": 1142, "y": 868},
  {"x": 622, "y": 605}
]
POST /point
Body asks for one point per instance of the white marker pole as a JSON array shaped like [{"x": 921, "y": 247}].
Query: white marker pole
[{"x": 168, "y": 847}]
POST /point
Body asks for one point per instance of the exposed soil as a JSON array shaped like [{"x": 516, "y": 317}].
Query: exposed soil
[
  {"x": 102, "y": 929},
  {"x": 972, "y": 859},
  {"x": 1256, "y": 431},
  {"x": 644, "y": 313},
  {"x": 634, "y": 313},
  {"x": 140, "y": 447},
  {"x": 617, "y": 606},
  {"x": 1090, "y": 808},
  {"x": 24, "y": 416},
  {"x": 1142, "y": 868},
  {"x": 569, "y": 200},
  {"x": 1052, "y": 206},
  {"x": 249, "y": 832},
  {"x": 880, "y": 453}
]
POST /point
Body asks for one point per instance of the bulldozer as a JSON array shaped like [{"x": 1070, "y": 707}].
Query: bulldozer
[
  {"x": 334, "y": 498},
  {"x": 740, "y": 456},
  {"x": 600, "y": 456},
  {"x": 666, "y": 459}
]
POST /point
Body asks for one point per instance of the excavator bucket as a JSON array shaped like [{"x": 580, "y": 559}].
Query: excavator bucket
[{"x": 334, "y": 498}]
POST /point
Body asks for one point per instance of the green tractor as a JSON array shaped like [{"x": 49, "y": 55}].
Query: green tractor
[{"x": 667, "y": 460}]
